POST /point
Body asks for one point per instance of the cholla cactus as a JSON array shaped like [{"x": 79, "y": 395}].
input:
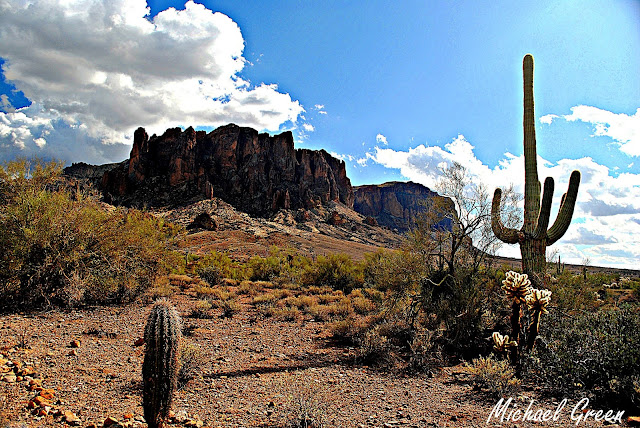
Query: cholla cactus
[
  {"x": 517, "y": 286},
  {"x": 502, "y": 343},
  {"x": 538, "y": 300},
  {"x": 160, "y": 367}
]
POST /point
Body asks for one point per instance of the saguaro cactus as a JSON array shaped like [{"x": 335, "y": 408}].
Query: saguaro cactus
[
  {"x": 534, "y": 237},
  {"x": 160, "y": 368}
]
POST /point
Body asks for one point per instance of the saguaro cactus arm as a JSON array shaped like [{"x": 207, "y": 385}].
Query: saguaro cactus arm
[
  {"x": 565, "y": 213},
  {"x": 545, "y": 209},
  {"x": 505, "y": 234}
]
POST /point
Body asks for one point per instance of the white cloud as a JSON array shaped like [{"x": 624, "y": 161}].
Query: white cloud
[
  {"x": 606, "y": 215},
  {"x": 102, "y": 68},
  {"x": 308, "y": 127},
  {"x": 342, "y": 157},
  {"x": 547, "y": 119},
  {"x": 620, "y": 127},
  {"x": 319, "y": 106},
  {"x": 381, "y": 139}
]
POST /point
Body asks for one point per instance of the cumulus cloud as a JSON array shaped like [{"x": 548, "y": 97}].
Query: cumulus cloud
[
  {"x": 623, "y": 129},
  {"x": 606, "y": 211},
  {"x": 381, "y": 139},
  {"x": 102, "y": 68},
  {"x": 308, "y": 127}
]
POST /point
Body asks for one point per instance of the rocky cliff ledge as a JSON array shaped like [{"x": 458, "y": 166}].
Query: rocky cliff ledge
[
  {"x": 397, "y": 204},
  {"x": 256, "y": 173}
]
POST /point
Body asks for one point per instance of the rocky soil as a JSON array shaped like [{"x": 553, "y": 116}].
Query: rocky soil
[
  {"x": 83, "y": 368},
  {"x": 333, "y": 228}
]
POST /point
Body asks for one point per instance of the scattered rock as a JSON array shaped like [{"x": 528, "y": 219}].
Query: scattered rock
[
  {"x": 11, "y": 378},
  {"x": 110, "y": 421},
  {"x": 71, "y": 418},
  {"x": 75, "y": 344},
  {"x": 336, "y": 219}
]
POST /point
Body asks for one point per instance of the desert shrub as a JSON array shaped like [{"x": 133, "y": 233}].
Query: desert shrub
[
  {"x": 216, "y": 266},
  {"x": 264, "y": 268},
  {"x": 202, "y": 309},
  {"x": 161, "y": 288},
  {"x": 266, "y": 299},
  {"x": 306, "y": 404},
  {"x": 392, "y": 270},
  {"x": 337, "y": 271},
  {"x": 212, "y": 275},
  {"x": 229, "y": 307},
  {"x": 374, "y": 347},
  {"x": 572, "y": 294},
  {"x": 349, "y": 331},
  {"x": 63, "y": 248},
  {"x": 191, "y": 361},
  {"x": 249, "y": 288},
  {"x": 593, "y": 353},
  {"x": 497, "y": 377}
]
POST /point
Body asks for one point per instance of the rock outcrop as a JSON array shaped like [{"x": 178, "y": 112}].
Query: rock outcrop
[
  {"x": 396, "y": 205},
  {"x": 256, "y": 173}
]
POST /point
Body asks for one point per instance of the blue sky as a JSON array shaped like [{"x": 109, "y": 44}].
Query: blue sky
[{"x": 396, "y": 89}]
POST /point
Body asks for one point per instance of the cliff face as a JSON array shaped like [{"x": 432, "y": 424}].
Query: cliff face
[
  {"x": 256, "y": 173},
  {"x": 397, "y": 204}
]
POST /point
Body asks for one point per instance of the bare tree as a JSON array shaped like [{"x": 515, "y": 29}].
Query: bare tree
[{"x": 456, "y": 229}]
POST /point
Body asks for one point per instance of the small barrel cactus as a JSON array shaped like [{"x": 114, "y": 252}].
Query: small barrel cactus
[{"x": 162, "y": 336}]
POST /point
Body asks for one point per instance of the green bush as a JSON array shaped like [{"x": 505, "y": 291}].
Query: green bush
[
  {"x": 591, "y": 353},
  {"x": 63, "y": 249},
  {"x": 216, "y": 266},
  {"x": 337, "y": 271}
]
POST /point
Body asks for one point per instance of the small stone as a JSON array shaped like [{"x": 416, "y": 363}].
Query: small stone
[
  {"x": 128, "y": 416},
  {"x": 110, "y": 421},
  {"x": 71, "y": 418},
  {"x": 47, "y": 394},
  {"x": 40, "y": 401},
  {"x": 139, "y": 342},
  {"x": 75, "y": 344},
  {"x": 73, "y": 353},
  {"x": 11, "y": 378},
  {"x": 27, "y": 371}
]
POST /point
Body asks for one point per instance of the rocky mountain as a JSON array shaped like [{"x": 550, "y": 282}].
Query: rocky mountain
[
  {"x": 397, "y": 204},
  {"x": 256, "y": 173}
]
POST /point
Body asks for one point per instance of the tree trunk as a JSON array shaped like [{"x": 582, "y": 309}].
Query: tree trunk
[{"x": 534, "y": 260}]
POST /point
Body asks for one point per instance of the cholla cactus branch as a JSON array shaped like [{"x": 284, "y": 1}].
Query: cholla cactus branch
[
  {"x": 538, "y": 300},
  {"x": 517, "y": 286},
  {"x": 160, "y": 367},
  {"x": 502, "y": 343}
]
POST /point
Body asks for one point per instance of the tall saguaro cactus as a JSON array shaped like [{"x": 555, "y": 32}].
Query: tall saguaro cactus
[
  {"x": 160, "y": 367},
  {"x": 534, "y": 237}
]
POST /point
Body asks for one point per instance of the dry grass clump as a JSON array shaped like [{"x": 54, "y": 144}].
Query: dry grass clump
[
  {"x": 497, "y": 377},
  {"x": 306, "y": 403},
  {"x": 192, "y": 360},
  {"x": 182, "y": 281},
  {"x": 161, "y": 288}
]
